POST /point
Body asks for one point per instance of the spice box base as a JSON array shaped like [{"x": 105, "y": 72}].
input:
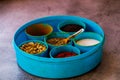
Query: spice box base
[{"x": 58, "y": 67}]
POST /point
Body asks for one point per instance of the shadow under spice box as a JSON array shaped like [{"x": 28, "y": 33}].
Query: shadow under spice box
[{"x": 54, "y": 67}]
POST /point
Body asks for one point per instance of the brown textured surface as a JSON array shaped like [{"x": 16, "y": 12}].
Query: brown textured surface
[{"x": 15, "y": 13}]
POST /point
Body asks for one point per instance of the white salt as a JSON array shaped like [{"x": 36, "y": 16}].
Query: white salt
[{"x": 88, "y": 42}]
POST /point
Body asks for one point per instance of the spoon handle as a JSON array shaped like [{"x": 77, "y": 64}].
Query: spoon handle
[{"x": 75, "y": 34}]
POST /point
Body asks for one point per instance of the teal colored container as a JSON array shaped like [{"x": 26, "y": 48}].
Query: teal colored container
[
  {"x": 57, "y": 35},
  {"x": 87, "y": 35},
  {"x": 42, "y": 54},
  {"x": 55, "y": 51},
  {"x": 67, "y": 22},
  {"x": 38, "y": 31},
  {"x": 58, "y": 68}
]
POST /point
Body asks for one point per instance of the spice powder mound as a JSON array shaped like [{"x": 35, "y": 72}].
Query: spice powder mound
[
  {"x": 87, "y": 42},
  {"x": 71, "y": 28},
  {"x": 33, "y": 48},
  {"x": 65, "y": 54},
  {"x": 56, "y": 41}
]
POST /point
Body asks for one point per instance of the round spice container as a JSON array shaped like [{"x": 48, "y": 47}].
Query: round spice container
[
  {"x": 38, "y": 31},
  {"x": 35, "y": 47},
  {"x": 87, "y": 40},
  {"x": 71, "y": 26},
  {"x": 53, "y": 40},
  {"x": 58, "y": 68},
  {"x": 64, "y": 52}
]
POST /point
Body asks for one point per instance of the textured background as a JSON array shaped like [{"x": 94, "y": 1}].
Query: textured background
[{"x": 14, "y": 13}]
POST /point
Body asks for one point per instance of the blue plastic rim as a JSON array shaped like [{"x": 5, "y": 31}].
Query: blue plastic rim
[
  {"x": 58, "y": 68},
  {"x": 78, "y": 22},
  {"x": 67, "y": 48},
  {"x": 87, "y": 35},
  {"x": 42, "y": 54}
]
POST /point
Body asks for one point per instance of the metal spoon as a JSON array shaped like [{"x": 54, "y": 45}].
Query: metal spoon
[{"x": 71, "y": 36}]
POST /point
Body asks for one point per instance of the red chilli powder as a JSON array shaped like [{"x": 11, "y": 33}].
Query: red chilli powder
[{"x": 65, "y": 54}]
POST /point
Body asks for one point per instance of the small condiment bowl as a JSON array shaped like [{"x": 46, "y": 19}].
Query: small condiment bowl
[
  {"x": 38, "y": 31},
  {"x": 55, "y": 51},
  {"x": 87, "y": 35},
  {"x": 41, "y": 54},
  {"x": 57, "y": 35},
  {"x": 71, "y": 22}
]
